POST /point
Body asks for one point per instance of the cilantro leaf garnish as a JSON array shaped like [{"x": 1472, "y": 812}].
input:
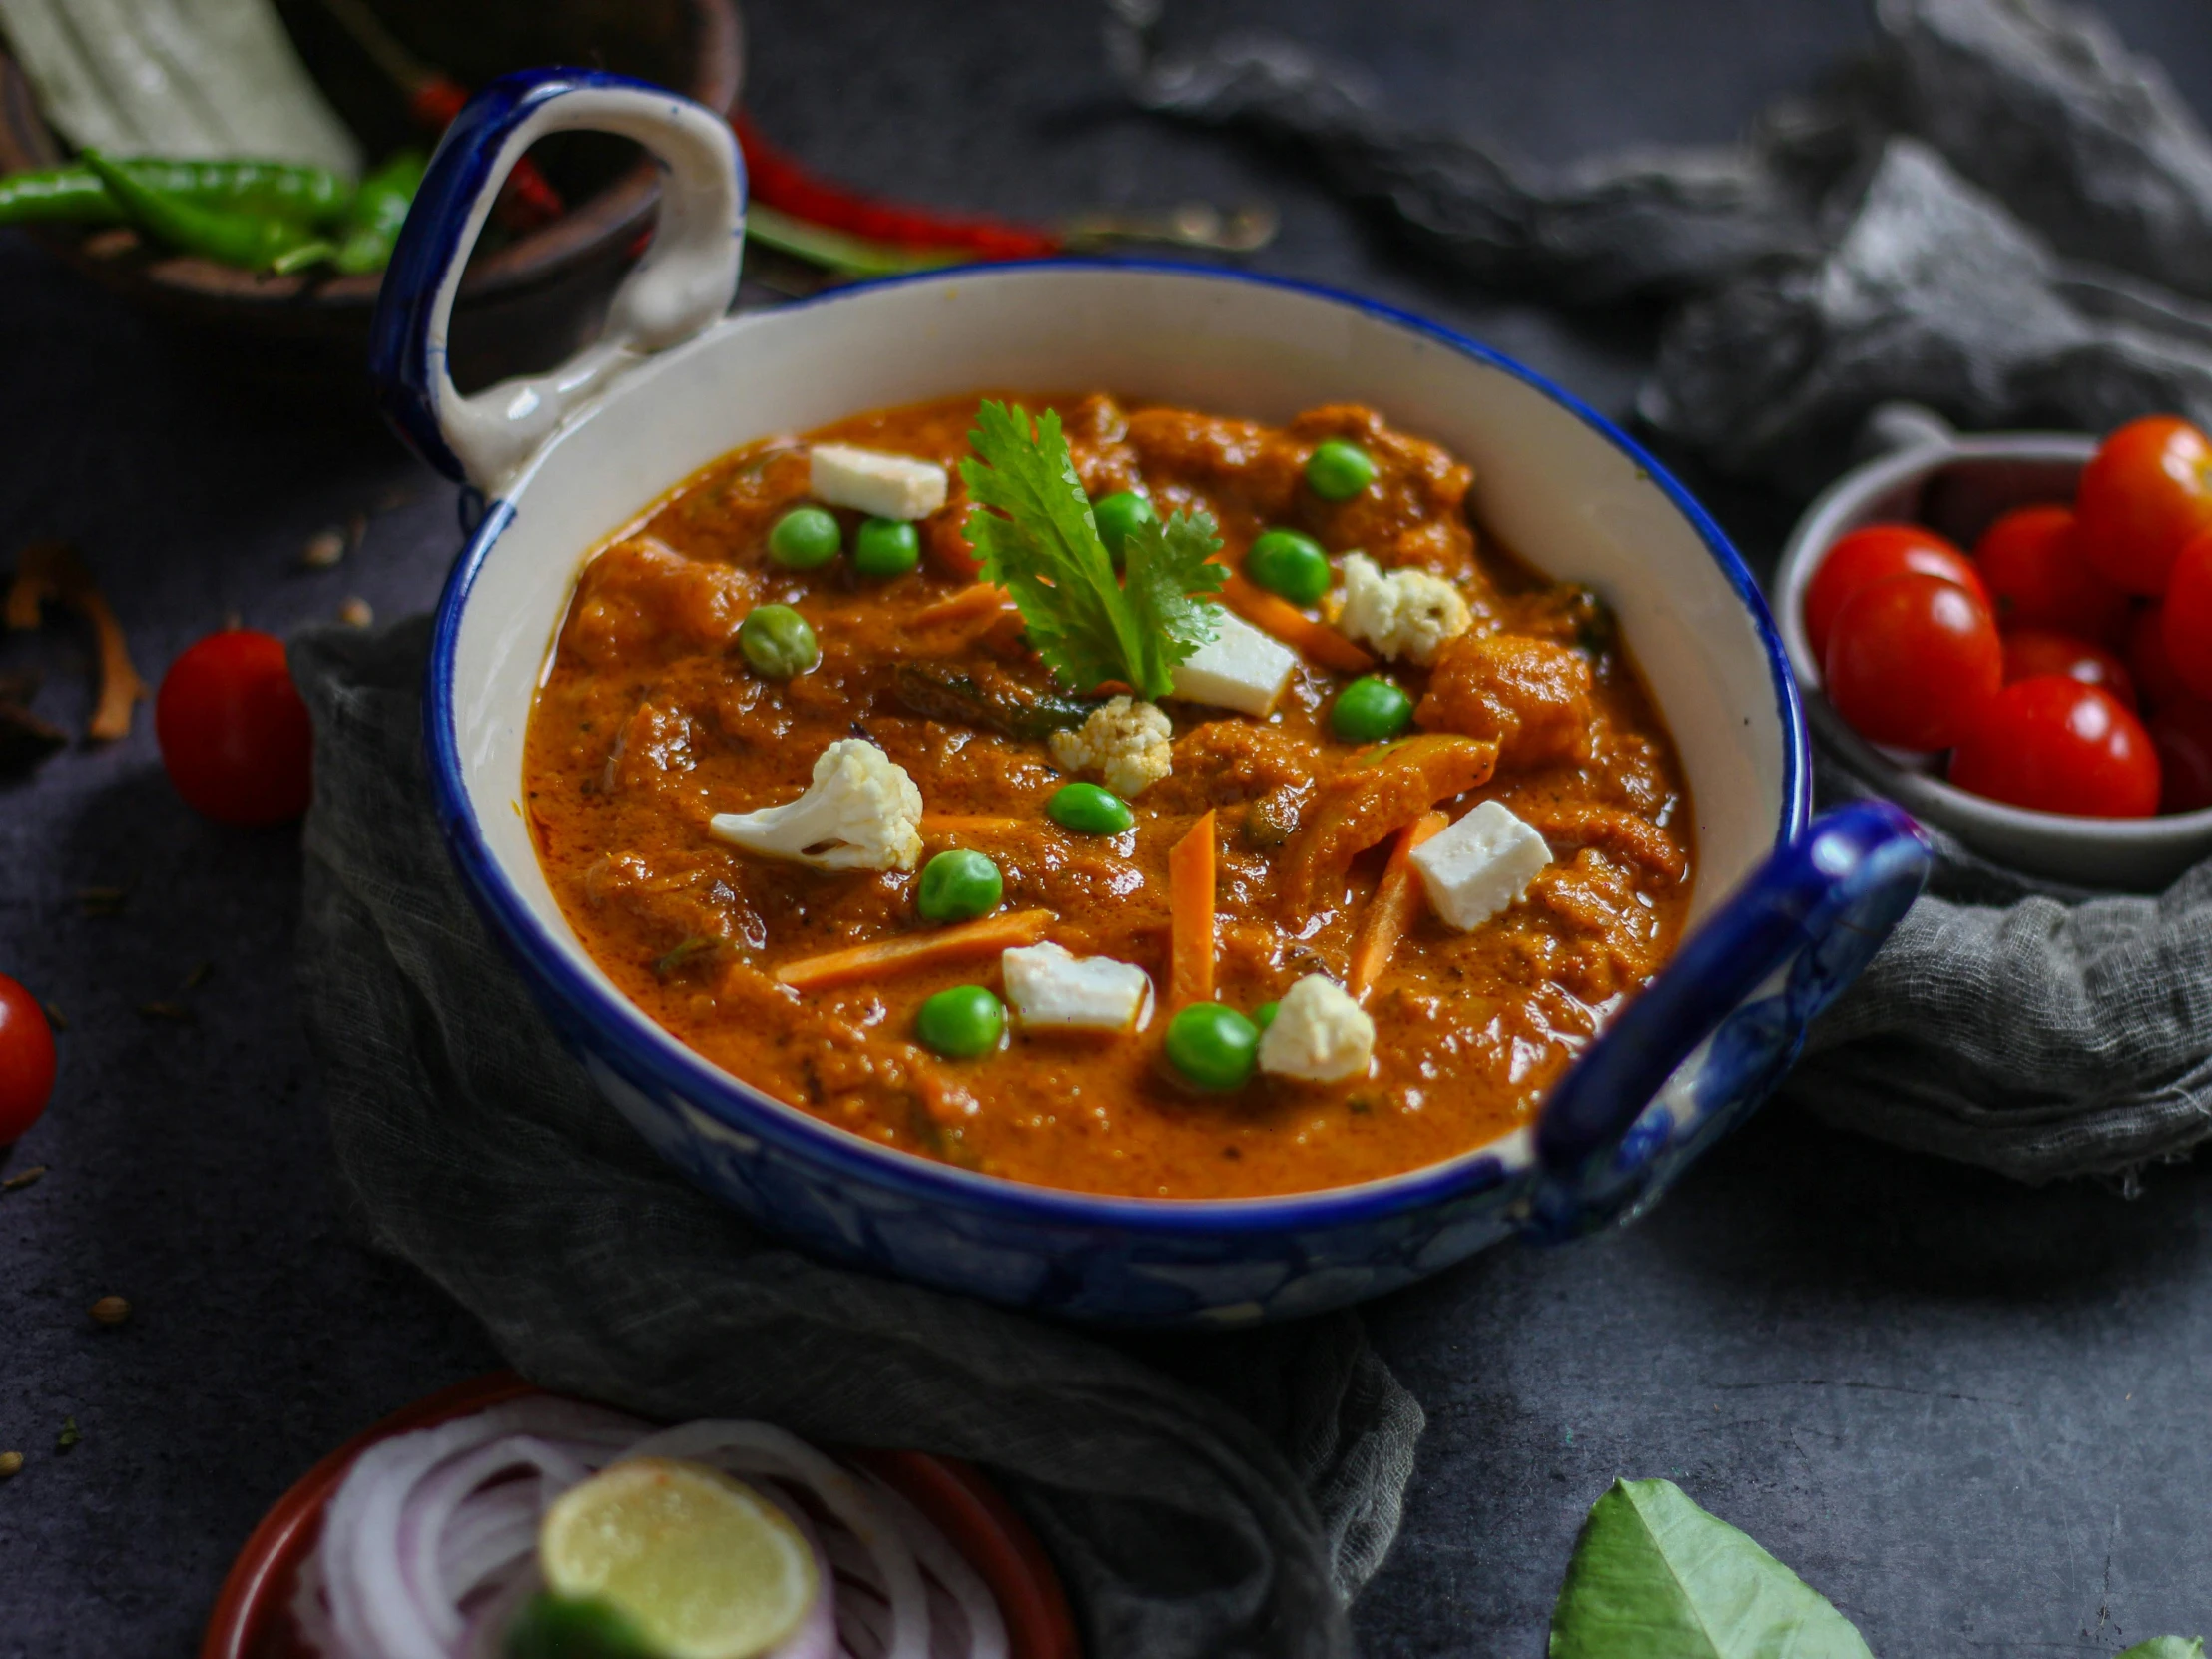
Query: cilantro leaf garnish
[{"x": 1041, "y": 545}]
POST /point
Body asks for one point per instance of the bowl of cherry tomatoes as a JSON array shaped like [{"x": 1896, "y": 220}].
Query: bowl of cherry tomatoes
[{"x": 2012, "y": 635}]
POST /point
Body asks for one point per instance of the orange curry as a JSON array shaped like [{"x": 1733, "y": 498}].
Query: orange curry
[{"x": 651, "y": 720}]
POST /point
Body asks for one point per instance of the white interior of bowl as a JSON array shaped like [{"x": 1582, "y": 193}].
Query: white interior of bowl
[
  {"x": 1977, "y": 479},
  {"x": 1553, "y": 485}
]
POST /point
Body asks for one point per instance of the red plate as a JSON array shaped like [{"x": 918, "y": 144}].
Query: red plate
[{"x": 252, "y": 1622}]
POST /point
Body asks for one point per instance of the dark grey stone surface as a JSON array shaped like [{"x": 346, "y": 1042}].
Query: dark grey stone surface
[{"x": 1972, "y": 1413}]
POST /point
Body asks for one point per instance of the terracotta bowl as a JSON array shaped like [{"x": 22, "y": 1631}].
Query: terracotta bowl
[
  {"x": 525, "y": 303},
  {"x": 253, "y": 1618}
]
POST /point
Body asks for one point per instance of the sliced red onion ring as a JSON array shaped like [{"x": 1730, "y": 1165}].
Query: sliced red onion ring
[{"x": 429, "y": 1544}]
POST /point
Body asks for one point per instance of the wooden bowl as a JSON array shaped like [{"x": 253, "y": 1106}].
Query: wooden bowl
[
  {"x": 252, "y": 1618},
  {"x": 527, "y": 302}
]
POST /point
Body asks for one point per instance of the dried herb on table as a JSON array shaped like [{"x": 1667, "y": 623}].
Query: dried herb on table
[
  {"x": 68, "y": 1435},
  {"x": 22, "y": 1178},
  {"x": 51, "y": 572},
  {"x": 101, "y": 901}
]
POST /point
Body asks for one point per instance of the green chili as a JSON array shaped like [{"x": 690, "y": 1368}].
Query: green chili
[
  {"x": 380, "y": 209},
  {"x": 255, "y": 241},
  {"x": 309, "y": 194}
]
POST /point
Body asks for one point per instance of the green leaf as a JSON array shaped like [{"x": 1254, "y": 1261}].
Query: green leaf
[
  {"x": 2167, "y": 1647},
  {"x": 1041, "y": 545},
  {"x": 1170, "y": 569},
  {"x": 1656, "y": 1578}
]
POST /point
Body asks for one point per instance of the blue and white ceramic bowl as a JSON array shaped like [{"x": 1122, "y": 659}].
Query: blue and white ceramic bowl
[{"x": 1785, "y": 913}]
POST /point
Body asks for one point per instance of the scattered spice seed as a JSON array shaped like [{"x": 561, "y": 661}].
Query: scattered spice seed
[
  {"x": 54, "y": 1017},
  {"x": 357, "y": 613},
  {"x": 168, "y": 1010},
  {"x": 111, "y": 1310},
  {"x": 23, "y": 1178},
  {"x": 68, "y": 1435},
  {"x": 101, "y": 901},
  {"x": 356, "y": 529},
  {"x": 11, "y": 1463},
  {"x": 324, "y": 549},
  {"x": 394, "y": 499},
  {"x": 197, "y": 976}
]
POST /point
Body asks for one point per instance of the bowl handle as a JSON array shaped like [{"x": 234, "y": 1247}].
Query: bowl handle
[
  {"x": 684, "y": 282},
  {"x": 1707, "y": 1039}
]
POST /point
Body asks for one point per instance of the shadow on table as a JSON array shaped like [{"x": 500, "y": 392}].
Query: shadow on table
[{"x": 1819, "y": 1205}]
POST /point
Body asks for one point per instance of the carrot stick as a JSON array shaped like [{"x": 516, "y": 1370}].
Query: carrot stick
[
  {"x": 1391, "y": 909},
  {"x": 1275, "y": 615},
  {"x": 917, "y": 950},
  {"x": 1190, "y": 916},
  {"x": 970, "y": 604}
]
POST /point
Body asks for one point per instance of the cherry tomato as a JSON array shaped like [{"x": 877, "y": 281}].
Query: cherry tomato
[
  {"x": 2182, "y": 732},
  {"x": 2148, "y": 490},
  {"x": 2056, "y": 746},
  {"x": 2187, "y": 630},
  {"x": 1912, "y": 660},
  {"x": 233, "y": 734},
  {"x": 1867, "y": 555},
  {"x": 2157, "y": 681},
  {"x": 2031, "y": 560},
  {"x": 2032, "y": 651},
  {"x": 26, "y": 1061}
]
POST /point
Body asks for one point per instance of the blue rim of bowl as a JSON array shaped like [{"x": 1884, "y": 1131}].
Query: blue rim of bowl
[{"x": 744, "y": 1109}]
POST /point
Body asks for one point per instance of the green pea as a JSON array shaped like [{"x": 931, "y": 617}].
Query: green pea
[
  {"x": 1119, "y": 517},
  {"x": 1089, "y": 811},
  {"x": 1264, "y": 1015},
  {"x": 1338, "y": 471},
  {"x": 1369, "y": 710},
  {"x": 961, "y": 1024},
  {"x": 776, "y": 641},
  {"x": 1213, "y": 1046},
  {"x": 804, "y": 538},
  {"x": 886, "y": 547},
  {"x": 960, "y": 887},
  {"x": 1290, "y": 564}
]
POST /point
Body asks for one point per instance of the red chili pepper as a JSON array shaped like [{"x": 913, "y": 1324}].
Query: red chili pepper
[
  {"x": 527, "y": 200},
  {"x": 782, "y": 183}
]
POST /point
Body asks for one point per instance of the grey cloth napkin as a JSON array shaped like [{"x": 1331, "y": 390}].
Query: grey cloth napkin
[
  {"x": 1204, "y": 1496},
  {"x": 1998, "y": 212}
]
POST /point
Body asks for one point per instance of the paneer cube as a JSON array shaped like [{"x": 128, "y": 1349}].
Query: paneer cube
[
  {"x": 1243, "y": 668},
  {"x": 1480, "y": 865},
  {"x": 1053, "y": 990},
  {"x": 1319, "y": 1034},
  {"x": 872, "y": 482}
]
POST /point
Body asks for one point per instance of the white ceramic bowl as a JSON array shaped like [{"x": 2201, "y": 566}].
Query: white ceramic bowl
[
  {"x": 1784, "y": 918},
  {"x": 1956, "y": 485}
]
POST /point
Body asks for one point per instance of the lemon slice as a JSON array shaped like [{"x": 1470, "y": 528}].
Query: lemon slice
[{"x": 703, "y": 1565}]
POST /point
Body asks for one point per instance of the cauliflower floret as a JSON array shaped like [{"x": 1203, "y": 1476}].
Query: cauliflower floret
[
  {"x": 861, "y": 811},
  {"x": 1319, "y": 1033},
  {"x": 1124, "y": 740},
  {"x": 1399, "y": 613}
]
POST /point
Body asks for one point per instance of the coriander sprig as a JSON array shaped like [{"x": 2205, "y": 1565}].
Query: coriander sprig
[{"x": 1041, "y": 545}]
